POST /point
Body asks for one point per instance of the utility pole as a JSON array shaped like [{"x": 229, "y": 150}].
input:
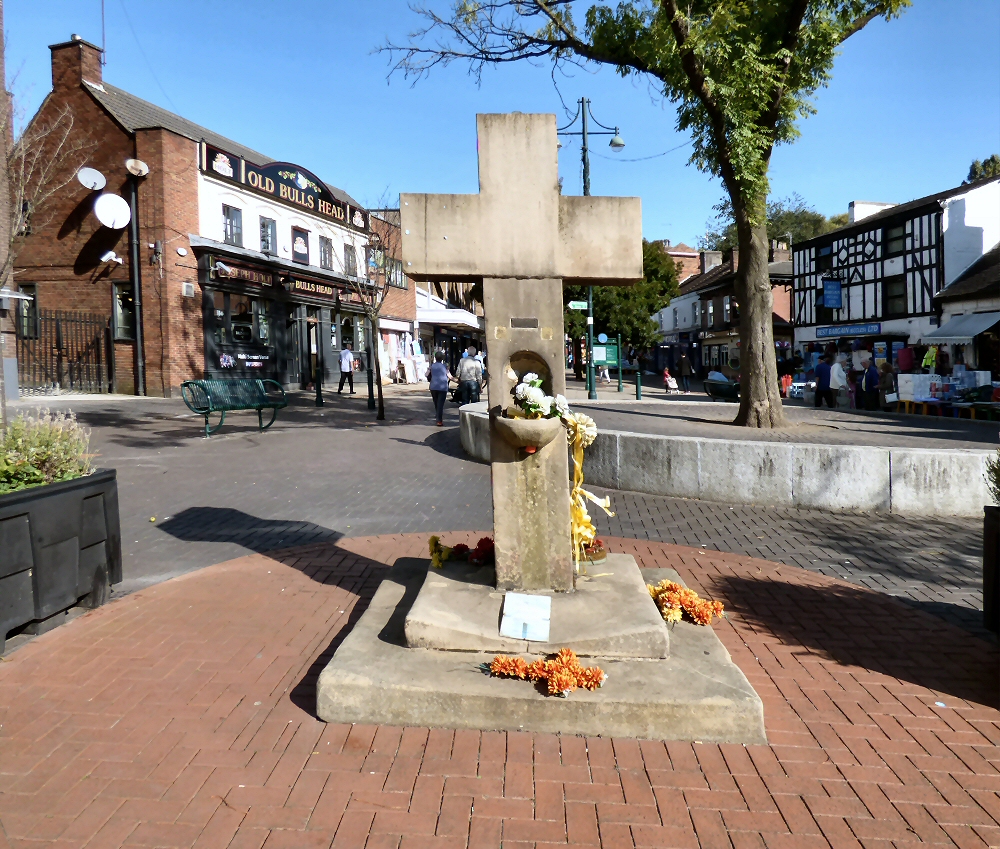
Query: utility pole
[
  {"x": 591, "y": 376},
  {"x": 616, "y": 145}
]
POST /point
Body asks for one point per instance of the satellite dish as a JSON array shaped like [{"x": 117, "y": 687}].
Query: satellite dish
[
  {"x": 602, "y": 338},
  {"x": 91, "y": 179},
  {"x": 136, "y": 167},
  {"x": 112, "y": 211}
]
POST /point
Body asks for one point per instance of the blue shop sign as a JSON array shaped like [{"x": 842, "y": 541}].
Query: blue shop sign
[
  {"x": 872, "y": 329},
  {"x": 833, "y": 294}
]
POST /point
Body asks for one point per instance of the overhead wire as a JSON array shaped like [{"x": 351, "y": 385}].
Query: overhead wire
[{"x": 638, "y": 158}]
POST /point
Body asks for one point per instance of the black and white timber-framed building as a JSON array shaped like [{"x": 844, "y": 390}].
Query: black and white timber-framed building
[{"x": 877, "y": 277}]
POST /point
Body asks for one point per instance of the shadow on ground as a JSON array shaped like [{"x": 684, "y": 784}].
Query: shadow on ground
[
  {"x": 847, "y": 624},
  {"x": 224, "y": 524}
]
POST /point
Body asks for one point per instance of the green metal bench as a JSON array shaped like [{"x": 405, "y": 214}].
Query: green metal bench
[
  {"x": 206, "y": 397},
  {"x": 725, "y": 391}
]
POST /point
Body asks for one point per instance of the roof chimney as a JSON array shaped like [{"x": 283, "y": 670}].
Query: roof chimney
[
  {"x": 710, "y": 259},
  {"x": 858, "y": 210},
  {"x": 74, "y": 61}
]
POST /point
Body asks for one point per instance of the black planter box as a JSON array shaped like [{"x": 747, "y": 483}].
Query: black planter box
[
  {"x": 60, "y": 544},
  {"x": 991, "y": 569}
]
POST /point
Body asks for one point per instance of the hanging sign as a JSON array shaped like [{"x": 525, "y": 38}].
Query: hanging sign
[{"x": 833, "y": 294}]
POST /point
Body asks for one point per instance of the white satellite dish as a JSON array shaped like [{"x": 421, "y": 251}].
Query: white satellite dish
[
  {"x": 91, "y": 179},
  {"x": 136, "y": 167},
  {"x": 112, "y": 211}
]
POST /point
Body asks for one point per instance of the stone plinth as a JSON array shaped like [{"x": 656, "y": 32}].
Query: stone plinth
[
  {"x": 697, "y": 693},
  {"x": 609, "y": 615}
]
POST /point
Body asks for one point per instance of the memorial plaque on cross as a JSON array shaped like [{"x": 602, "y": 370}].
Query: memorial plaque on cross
[{"x": 523, "y": 239}]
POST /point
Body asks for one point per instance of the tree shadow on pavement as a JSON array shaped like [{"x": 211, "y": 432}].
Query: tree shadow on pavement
[
  {"x": 869, "y": 630},
  {"x": 227, "y": 525}
]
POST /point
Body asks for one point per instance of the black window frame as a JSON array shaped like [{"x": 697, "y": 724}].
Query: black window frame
[
  {"x": 27, "y": 312},
  {"x": 122, "y": 332},
  {"x": 824, "y": 258},
  {"x": 350, "y": 261},
  {"x": 268, "y": 236},
  {"x": 894, "y": 245},
  {"x": 232, "y": 225},
  {"x": 326, "y": 253},
  {"x": 888, "y": 298},
  {"x": 394, "y": 274},
  {"x": 824, "y": 314}
]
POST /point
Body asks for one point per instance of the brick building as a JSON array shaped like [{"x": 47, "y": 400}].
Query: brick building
[{"x": 241, "y": 265}]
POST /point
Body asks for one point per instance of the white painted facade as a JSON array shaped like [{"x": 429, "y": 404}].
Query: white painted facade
[
  {"x": 213, "y": 194},
  {"x": 680, "y": 315}
]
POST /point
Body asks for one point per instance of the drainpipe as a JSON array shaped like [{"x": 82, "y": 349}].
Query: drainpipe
[{"x": 133, "y": 261}]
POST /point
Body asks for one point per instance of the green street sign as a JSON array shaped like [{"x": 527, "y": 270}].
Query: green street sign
[{"x": 577, "y": 305}]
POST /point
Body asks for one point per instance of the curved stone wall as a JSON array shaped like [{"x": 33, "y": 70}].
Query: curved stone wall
[{"x": 908, "y": 481}]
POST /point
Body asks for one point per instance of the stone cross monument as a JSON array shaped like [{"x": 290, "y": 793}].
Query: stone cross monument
[{"x": 523, "y": 240}]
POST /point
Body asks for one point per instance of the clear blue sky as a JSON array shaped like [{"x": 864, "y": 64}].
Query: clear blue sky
[{"x": 911, "y": 103}]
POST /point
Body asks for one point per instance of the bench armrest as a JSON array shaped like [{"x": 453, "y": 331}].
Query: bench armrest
[
  {"x": 278, "y": 386},
  {"x": 196, "y": 397}
]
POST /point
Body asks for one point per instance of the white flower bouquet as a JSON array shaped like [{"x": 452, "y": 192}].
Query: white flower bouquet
[{"x": 531, "y": 402}]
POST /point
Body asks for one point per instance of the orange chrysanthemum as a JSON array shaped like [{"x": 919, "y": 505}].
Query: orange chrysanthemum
[
  {"x": 562, "y": 673},
  {"x": 674, "y": 600}
]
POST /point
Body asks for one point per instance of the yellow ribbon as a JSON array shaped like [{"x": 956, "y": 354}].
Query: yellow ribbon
[{"x": 581, "y": 525}]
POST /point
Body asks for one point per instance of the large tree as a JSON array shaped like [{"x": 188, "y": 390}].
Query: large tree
[{"x": 740, "y": 71}]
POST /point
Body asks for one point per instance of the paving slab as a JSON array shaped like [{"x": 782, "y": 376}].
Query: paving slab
[
  {"x": 697, "y": 693},
  {"x": 610, "y": 614}
]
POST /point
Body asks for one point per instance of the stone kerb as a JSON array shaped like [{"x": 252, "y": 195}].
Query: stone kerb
[{"x": 906, "y": 481}]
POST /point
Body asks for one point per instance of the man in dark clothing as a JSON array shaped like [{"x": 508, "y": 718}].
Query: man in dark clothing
[
  {"x": 823, "y": 383},
  {"x": 869, "y": 383}
]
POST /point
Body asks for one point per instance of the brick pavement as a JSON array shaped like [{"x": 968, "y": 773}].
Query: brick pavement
[
  {"x": 182, "y": 715},
  {"x": 320, "y": 475}
]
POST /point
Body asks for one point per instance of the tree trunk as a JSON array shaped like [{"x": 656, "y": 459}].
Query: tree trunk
[
  {"x": 378, "y": 372},
  {"x": 760, "y": 395}
]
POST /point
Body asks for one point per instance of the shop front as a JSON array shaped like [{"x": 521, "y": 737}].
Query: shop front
[{"x": 267, "y": 322}]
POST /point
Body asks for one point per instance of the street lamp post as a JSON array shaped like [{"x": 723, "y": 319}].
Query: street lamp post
[
  {"x": 616, "y": 144},
  {"x": 375, "y": 244}
]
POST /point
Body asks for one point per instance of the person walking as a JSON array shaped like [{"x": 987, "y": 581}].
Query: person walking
[
  {"x": 470, "y": 377},
  {"x": 870, "y": 384},
  {"x": 439, "y": 377},
  {"x": 823, "y": 391},
  {"x": 686, "y": 371},
  {"x": 886, "y": 386},
  {"x": 346, "y": 368}
]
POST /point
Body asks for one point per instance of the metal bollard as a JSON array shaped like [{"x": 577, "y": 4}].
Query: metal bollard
[{"x": 638, "y": 384}]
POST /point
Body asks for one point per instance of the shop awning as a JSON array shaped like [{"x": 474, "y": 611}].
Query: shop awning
[
  {"x": 448, "y": 318},
  {"x": 394, "y": 324},
  {"x": 961, "y": 329}
]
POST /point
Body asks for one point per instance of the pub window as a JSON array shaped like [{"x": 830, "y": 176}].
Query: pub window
[
  {"x": 895, "y": 240},
  {"x": 260, "y": 321},
  {"x": 219, "y": 312},
  {"x": 676, "y": 325},
  {"x": 300, "y": 245},
  {"x": 711, "y": 313},
  {"x": 268, "y": 236},
  {"x": 350, "y": 261},
  {"x": 723, "y": 355},
  {"x": 124, "y": 311},
  {"x": 726, "y": 311},
  {"x": 714, "y": 349},
  {"x": 232, "y": 225},
  {"x": 894, "y": 295},
  {"x": 696, "y": 313},
  {"x": 824, "y": 258},
  {"x": 241, "y": 318},
  {"x": 325, "y": 252},
  {"x": 27, "y": 312}
]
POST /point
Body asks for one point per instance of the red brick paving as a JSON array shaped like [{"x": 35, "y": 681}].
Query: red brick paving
[{"x": 182, "y": 715}]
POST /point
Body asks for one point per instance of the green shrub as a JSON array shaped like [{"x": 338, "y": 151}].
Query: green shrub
[
  {"x": 43, "y": 448},
  {"x": 993, "y": 476}
]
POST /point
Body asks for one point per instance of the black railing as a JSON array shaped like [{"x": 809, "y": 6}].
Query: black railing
[{"x": 60, "y": 351}]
